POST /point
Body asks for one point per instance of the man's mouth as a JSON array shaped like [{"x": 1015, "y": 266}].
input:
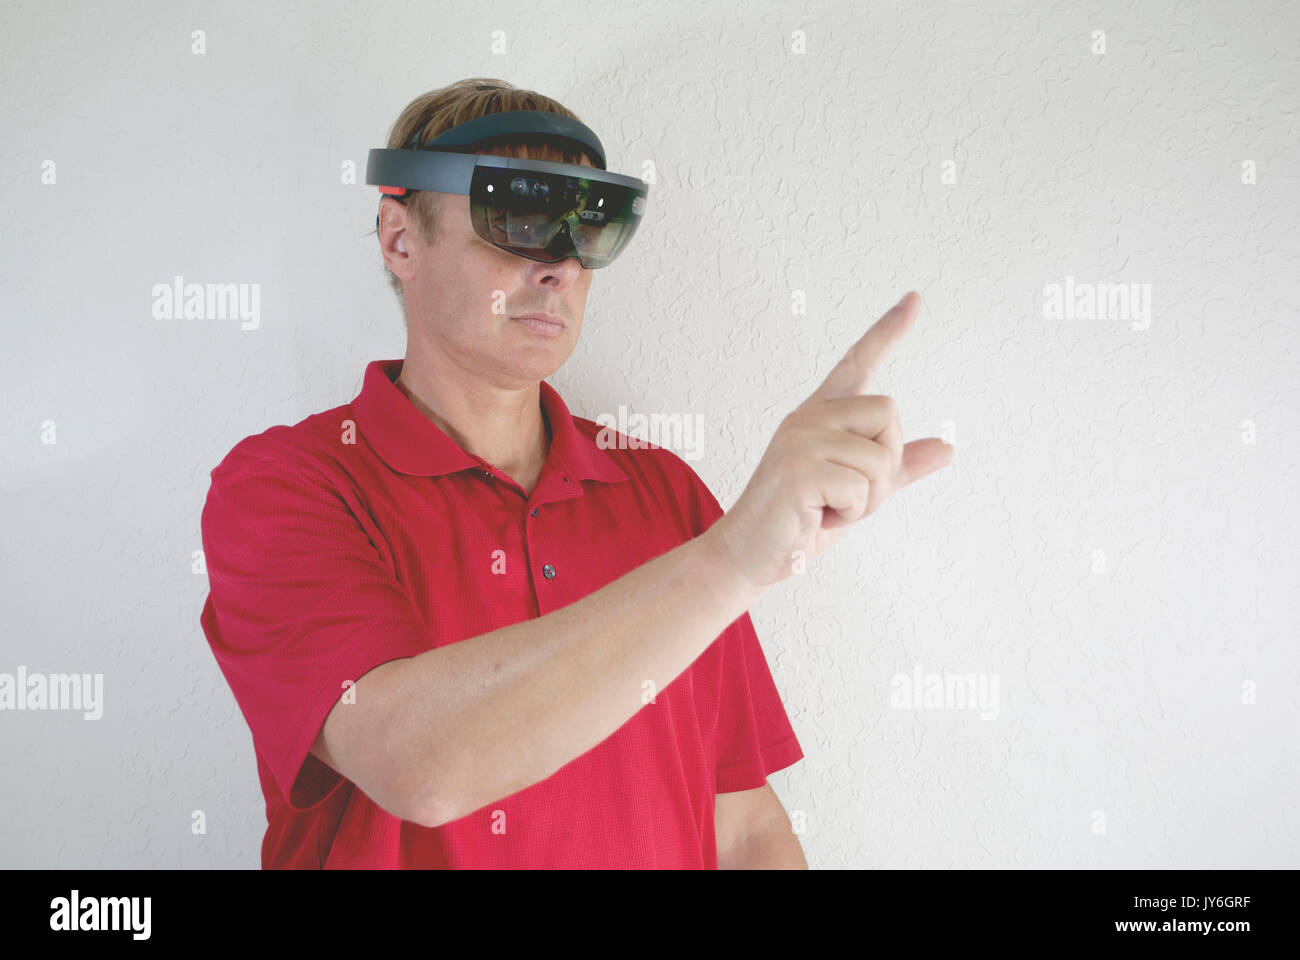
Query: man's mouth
[{"x": 546, "y": 324}]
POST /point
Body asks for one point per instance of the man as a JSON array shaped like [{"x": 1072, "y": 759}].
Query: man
[{"x": 465, "y": 632}]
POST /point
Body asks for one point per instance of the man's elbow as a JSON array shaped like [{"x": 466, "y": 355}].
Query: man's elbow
[
  {"x": 432, "y": 811},
  {"x": 390, "y": 775},
  {"x": 418, "y": 802}
]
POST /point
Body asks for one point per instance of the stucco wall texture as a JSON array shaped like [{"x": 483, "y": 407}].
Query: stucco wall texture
[{"x": 1098, "y": 202}]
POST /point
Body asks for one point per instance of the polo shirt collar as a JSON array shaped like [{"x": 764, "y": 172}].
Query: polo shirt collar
[{"x": 411, "y": 443}]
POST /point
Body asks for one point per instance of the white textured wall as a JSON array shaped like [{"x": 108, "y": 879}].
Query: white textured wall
[{"x": 1116, "y": 540}]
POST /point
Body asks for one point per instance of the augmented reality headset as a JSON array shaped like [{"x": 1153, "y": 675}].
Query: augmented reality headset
[{"x": 532, "y": 208}]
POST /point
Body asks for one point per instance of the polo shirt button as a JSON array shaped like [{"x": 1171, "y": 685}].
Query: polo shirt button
[
  {"x": 549, "y": 571},
  {"x": 534, "y": 513}
]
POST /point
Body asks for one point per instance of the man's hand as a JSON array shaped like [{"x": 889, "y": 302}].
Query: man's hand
[{"x": 832, "y": 461}]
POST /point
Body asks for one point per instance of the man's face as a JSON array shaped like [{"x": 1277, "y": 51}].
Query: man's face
[{"x": 464, "y": 294}]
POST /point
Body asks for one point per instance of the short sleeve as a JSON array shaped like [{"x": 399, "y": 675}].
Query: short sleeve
[
  {"x": 754, "y": 734},
  {"x": 300, "y": 600}
]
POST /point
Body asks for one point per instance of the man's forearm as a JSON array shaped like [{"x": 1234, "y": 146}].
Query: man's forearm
[
  {"x": 775, "y": 848},
  {"x": 486, "y": 717}
]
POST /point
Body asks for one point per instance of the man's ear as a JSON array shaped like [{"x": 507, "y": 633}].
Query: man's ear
[{"x": 399, "y": 247}]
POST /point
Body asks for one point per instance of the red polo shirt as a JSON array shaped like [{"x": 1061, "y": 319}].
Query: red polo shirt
[{"x": 364, "y": 534}]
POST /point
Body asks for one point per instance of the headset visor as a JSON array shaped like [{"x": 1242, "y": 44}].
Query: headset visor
[{"x": 548, "y": 211}]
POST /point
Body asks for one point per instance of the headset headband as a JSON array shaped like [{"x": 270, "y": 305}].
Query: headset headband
[{"x": 528, "y": 125}]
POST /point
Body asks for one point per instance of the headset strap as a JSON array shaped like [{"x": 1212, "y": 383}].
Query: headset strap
[
  {"x": 518, "y": 124},
  {"x": 513, "y": 125}
]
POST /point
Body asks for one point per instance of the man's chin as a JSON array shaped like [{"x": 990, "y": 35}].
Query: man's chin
[{"x": 536, "y": 364}]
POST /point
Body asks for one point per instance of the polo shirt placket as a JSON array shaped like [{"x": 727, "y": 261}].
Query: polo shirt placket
[{"x": 536, "y": 544}]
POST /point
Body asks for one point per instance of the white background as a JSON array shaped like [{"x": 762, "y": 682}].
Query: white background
[{"x": 1105, "y": 542}]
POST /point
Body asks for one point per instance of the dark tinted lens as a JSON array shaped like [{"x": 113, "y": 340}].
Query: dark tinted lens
[{"x": 548, "y": 217}]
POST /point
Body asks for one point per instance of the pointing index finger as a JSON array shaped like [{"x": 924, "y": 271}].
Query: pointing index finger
[{"x": 857, "y": 368}]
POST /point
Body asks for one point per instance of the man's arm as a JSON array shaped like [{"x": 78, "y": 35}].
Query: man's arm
[
  {"x": 450, "y": 730},
  {"x": 753, "y": 832},
  {"x": 441, "y": 734}
]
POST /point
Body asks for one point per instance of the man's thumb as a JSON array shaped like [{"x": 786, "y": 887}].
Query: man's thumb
[{"x": 923, "y": 457}]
